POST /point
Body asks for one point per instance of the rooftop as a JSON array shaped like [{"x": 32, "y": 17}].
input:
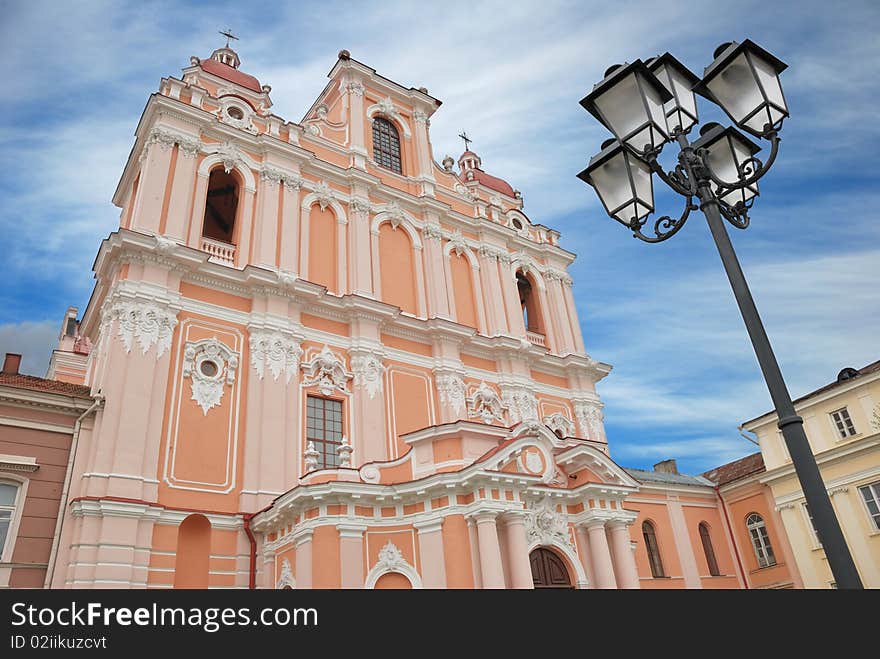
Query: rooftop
[
  {"x": 35, "y": 383},
  {"x": 732, "y": 471},
  {"x": 845, "y": 375}
]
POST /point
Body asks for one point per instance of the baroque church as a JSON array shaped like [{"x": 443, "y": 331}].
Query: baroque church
[{"x": 315, "y": 357}]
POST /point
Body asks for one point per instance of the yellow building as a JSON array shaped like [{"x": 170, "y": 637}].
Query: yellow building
[{"x": 842, "y": 422}]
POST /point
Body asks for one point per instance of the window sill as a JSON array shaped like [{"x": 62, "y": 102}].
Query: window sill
[{"x": 766, "y": 567}]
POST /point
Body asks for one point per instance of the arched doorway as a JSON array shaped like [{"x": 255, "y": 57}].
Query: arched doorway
[{"x": 548, "y": 569}]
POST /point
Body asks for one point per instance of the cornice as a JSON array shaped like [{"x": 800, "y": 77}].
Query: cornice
[
  {"x": 44, "y": 400},
  {"x": 827, "y": 457}
]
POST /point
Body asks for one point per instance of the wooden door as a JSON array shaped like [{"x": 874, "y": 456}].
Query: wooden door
[{"x": 548, "y": 570}]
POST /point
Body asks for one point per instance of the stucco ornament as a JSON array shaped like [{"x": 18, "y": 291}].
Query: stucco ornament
[
  {"x": 230, "y": 156},
  {"x": 344, "y": 452},
  {"x": 546, "y": 526},
  {"x": 486, "y": 404},
  {"x": 286, "y": 578},
  {"x": 457, "y": 243},
  {"x": 323, "y": 194},
  {"x": 386, "y": 106},
  {"x": 368, "y": 371},
  {"x": 147, "y": 322},
  {"x": 590, "y": 418},
  {"x": 390, "y": 557},
  {"x": 521, "y": 404},
  {"x": 327, "y": 372},
  {"x": 277, "y": 351},
  {"x": 311, "y": 457},
  {"x": 395, "y": 214},
  {"x": 560, "y": 424},
  {"x": 211, "y": 366},
  {"x": 451, "y": 388}
]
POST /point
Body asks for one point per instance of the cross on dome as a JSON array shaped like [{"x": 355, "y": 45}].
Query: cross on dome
[{"x": 226, "y": 55}]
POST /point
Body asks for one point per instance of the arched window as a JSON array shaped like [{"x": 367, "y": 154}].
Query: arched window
[
  {"x": 8, "y": 503},
  {"x": 386, "y": 145},
  {"x": 760, "y": 540},
  {"x": 221, "y": 206},
  {"x": 193, "y": 553},
  {"x": 708, "y": 549},
  {"x": 653, "y": 550},
  {"x": 528, "y": 300}
]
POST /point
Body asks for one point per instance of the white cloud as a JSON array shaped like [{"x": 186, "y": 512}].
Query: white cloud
[{"x": 33, "y": 340}]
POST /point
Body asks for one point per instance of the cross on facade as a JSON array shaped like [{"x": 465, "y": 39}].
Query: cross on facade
[
  {"x": 466, "y": 139},
  {"x": 228, "y": 34}
]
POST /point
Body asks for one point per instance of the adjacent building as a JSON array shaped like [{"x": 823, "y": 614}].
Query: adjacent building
[{"x": 842, "y": 423}]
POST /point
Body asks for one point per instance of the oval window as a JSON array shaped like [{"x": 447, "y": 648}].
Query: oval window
[
  {"x": 517, "y": 224},
  {"x": 208, "y": 368},
  {"x": 235, "y": 113}
]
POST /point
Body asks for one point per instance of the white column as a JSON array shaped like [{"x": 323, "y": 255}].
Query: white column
[
  {"x": 490, "y": 551},
  {"x": 624, "y": 561},
  {"x": 603, "y": 568},
  {"x": 431, "y": 556},
  {"x": 181, "y": 194},
  {"x": 351, "y": 554},
  {"x": 683, "y": 544},
  {"x": 289, "y": 229},
  {"x": 518, "y": 552},
  {"x": 303, "y": 570}
]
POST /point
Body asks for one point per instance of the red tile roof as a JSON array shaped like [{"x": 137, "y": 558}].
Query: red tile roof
[
  {"x": 727, "y": 473},
  {"x": 42, "y": 384},
  {"x": 492, "y": 182},
  {"x": 232, "y": 75}
]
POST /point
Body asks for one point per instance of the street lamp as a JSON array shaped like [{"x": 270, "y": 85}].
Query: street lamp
[{"x": 648, "y": 104}]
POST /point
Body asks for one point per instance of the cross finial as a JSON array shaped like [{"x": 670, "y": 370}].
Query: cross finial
[
  {"x": 466, "y": 139},
  {"x": 228, "y": 34}
]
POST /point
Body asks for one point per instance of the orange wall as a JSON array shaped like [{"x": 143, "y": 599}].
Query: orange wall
[
  {"x": 322, "y": 248},
  {"x": 463, "y": 288},
  {"x": 396, "y": 267},
  {"x": 738, "y": 510}
]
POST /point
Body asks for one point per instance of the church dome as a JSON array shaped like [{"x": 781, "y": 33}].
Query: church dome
[
  {"x": 224, "y": 63},
  {"x": 470, "y": 164}
]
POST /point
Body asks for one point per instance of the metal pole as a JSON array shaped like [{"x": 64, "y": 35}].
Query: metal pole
[{"x": 827, "y": 527}]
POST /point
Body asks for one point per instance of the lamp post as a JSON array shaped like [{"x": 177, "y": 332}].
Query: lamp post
[{"x": 649, "y": 104}]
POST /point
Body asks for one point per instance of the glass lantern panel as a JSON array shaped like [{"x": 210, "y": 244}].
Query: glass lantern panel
[
  {"x": 622, "y": 107},
  {"x": 736, "y": 89},
  {"x": 775, "y": 108},
  {"x": 741, "y": 153},
  {"x": 612, "y": 182}
]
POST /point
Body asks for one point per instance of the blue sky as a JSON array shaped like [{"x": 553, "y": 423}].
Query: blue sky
[{"x": 511, "y": 74}]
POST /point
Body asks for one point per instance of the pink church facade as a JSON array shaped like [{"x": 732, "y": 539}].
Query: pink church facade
[{"x": 325, "y": 360}]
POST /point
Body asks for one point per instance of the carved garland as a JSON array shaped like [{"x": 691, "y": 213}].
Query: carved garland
[
  {"x": 148, "y": 322},
  {"x": 277, "y": 351},
  {"x": 520, "y": 403},
  {"x": 590, "y": 418},
  {"x": 368, "y": 371},
  {"x": 451, "y": 388}
]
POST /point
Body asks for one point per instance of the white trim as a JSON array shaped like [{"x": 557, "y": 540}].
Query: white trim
[
  {"x": 8, "y": 548},
  {"x": 37, "y": 425},
  {"x": 146, "y": 511}
]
